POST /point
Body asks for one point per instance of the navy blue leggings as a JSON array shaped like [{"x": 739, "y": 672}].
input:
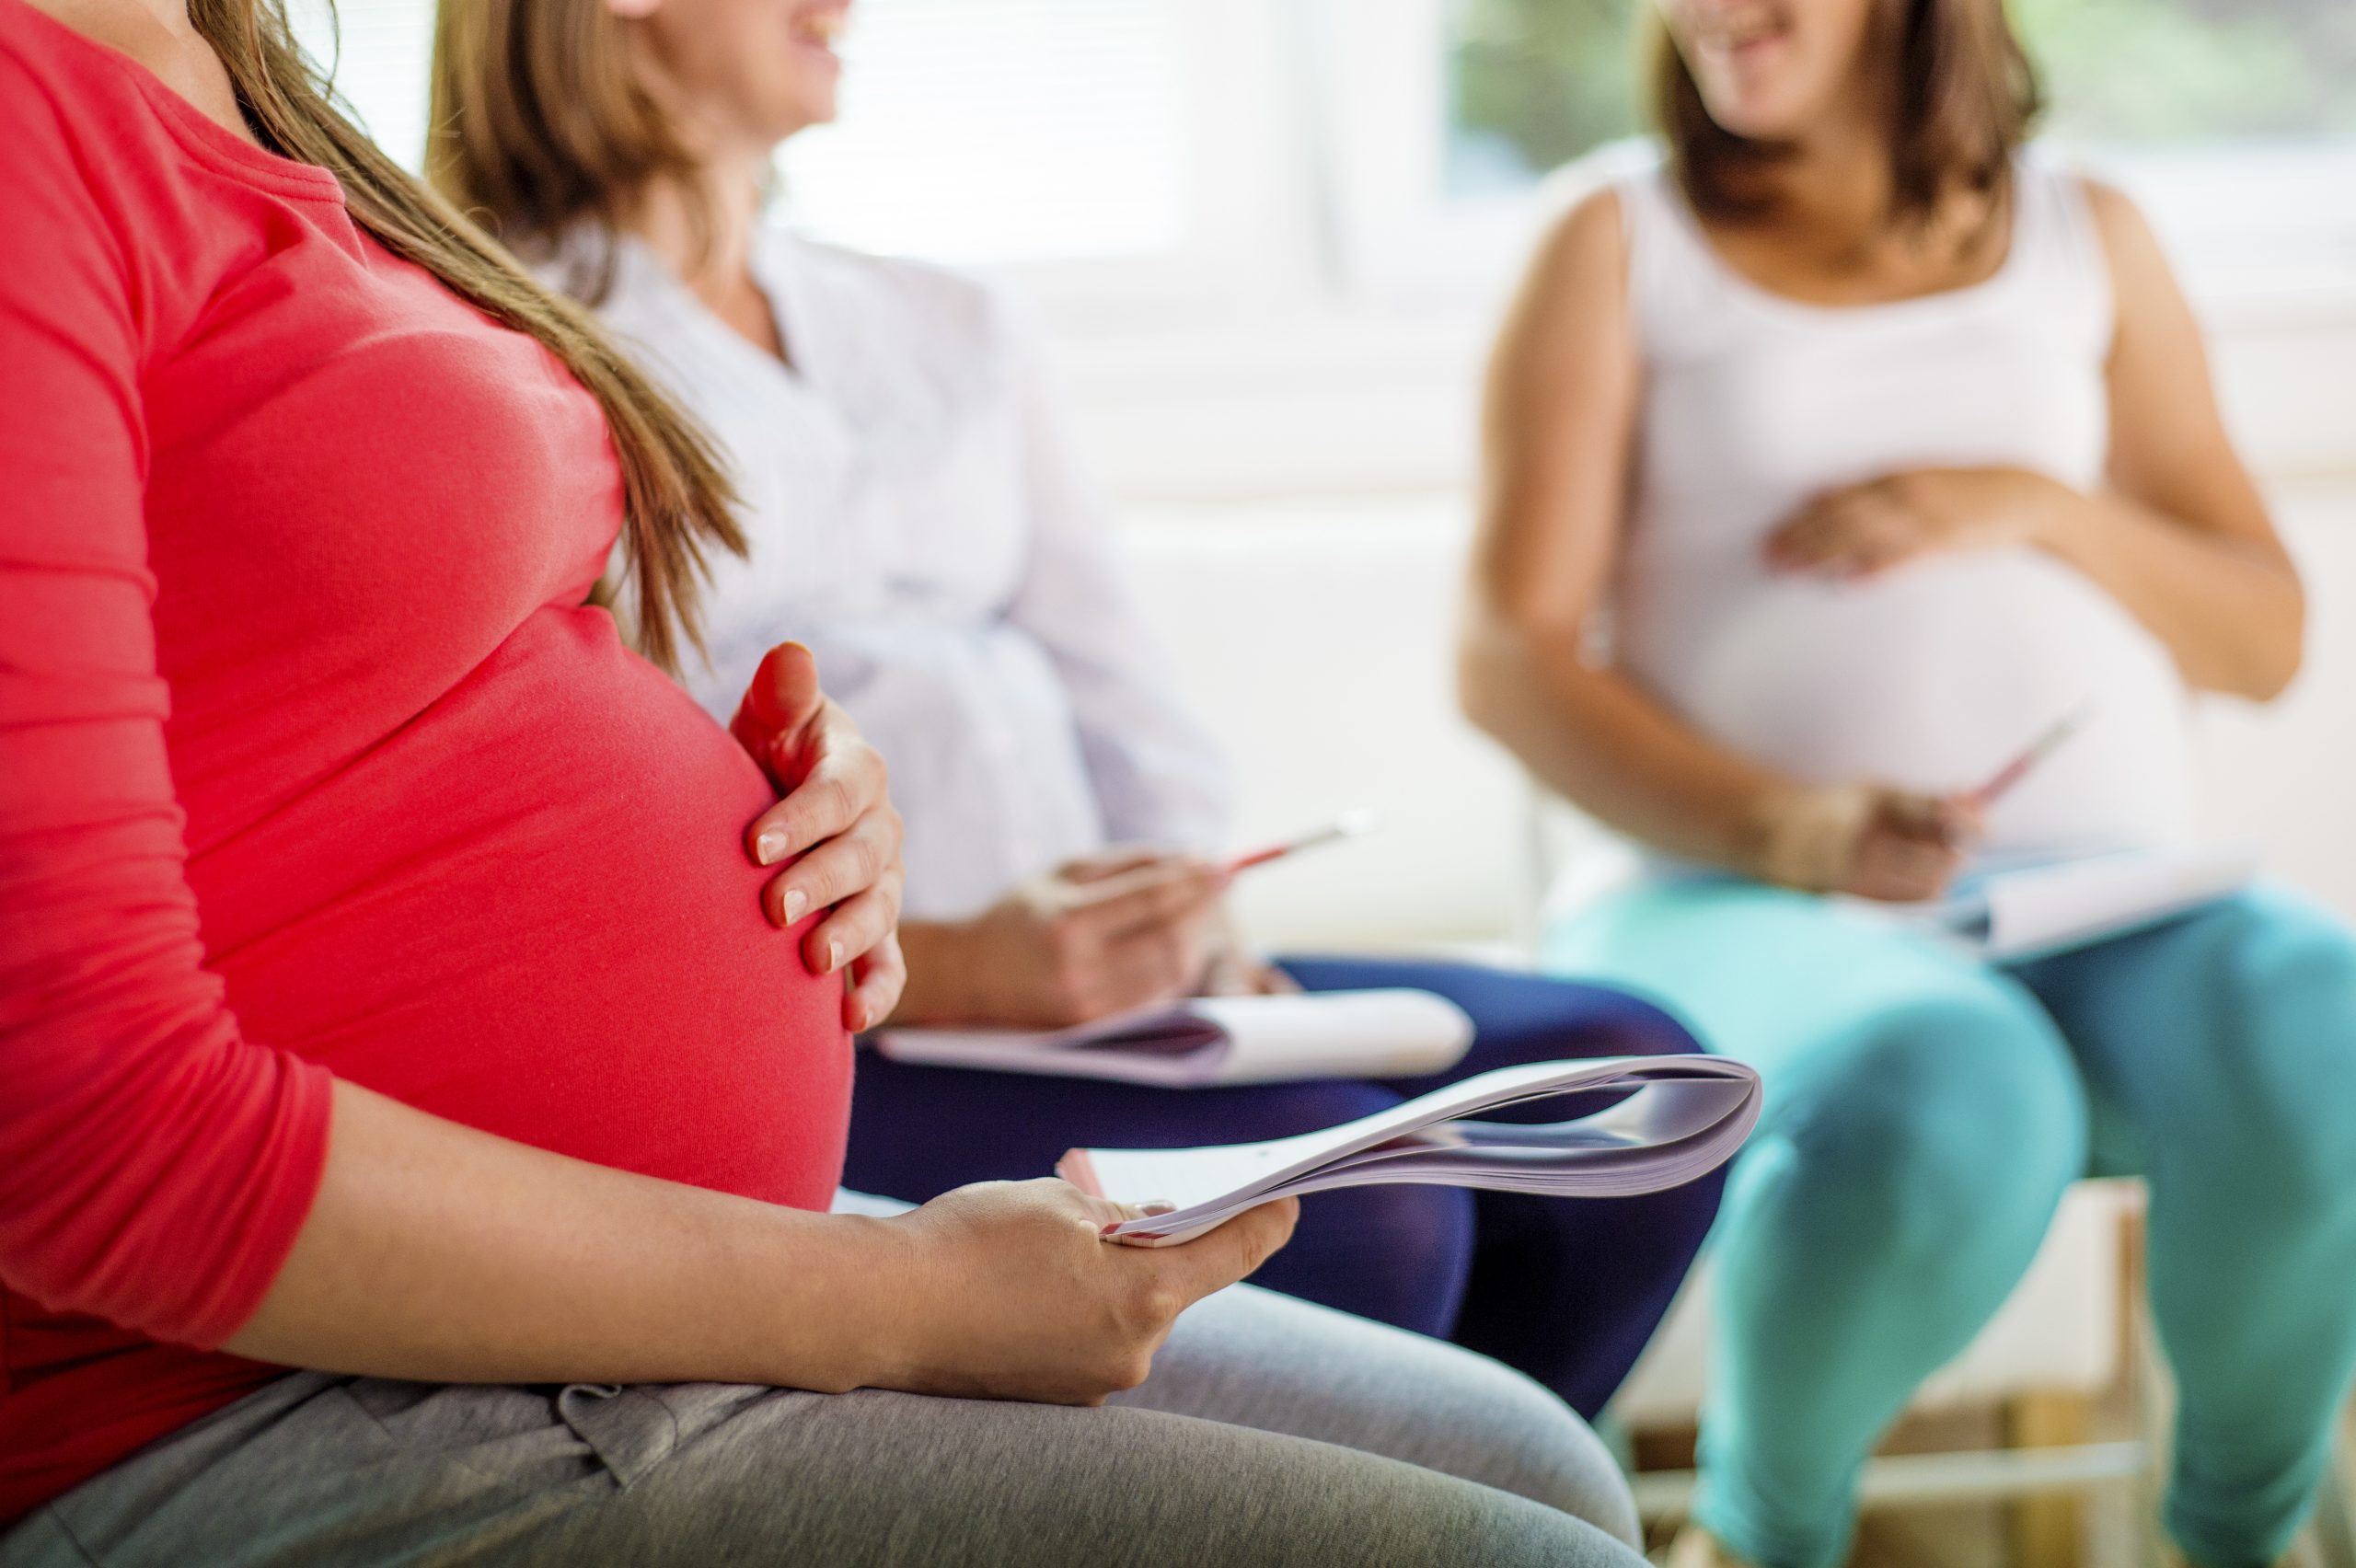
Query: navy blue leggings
[{"x": 1568, "y": 1290}]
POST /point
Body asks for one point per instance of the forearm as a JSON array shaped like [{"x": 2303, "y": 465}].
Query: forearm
[
  {"x": 435, "y": 1251},
  {"x": 2229, "y": 609},
  {"x": 1615, "y": 752},
  {"x": 941, "y": 989}
]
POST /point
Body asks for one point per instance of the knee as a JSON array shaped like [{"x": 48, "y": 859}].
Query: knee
[
  {"x": 2285, "y": 977},
  {"x": 1415, "y": 1230},
  {"x": 2270, "y": 953},
  {"x": 1640, "y": 1028},
  {"x": 1395, "y": 1255},
  {"x": 1534, "y": 1446},
  {"x": 1956, "y": 1121}
]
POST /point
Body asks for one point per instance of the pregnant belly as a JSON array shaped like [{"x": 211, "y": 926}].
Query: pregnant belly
[
  {"x": 530, "y": 911},
  {"x": 1931, "y": 677}
]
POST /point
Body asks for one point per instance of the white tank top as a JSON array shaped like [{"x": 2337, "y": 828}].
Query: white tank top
[{"x": 1934, "y": 675}]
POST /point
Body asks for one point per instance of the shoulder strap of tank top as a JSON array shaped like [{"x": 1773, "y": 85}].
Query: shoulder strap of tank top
[
  {"x": 2054, "y": 217},
  {"x": 1666, "y": 258}
]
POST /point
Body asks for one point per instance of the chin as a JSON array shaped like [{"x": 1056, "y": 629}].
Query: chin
[
  {"x": 799, "y": 110},
  {"x": 1756, "y": 116}
]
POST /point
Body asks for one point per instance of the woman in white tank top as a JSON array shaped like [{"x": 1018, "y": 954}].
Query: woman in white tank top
[
  {"x": 1830, "y": 465},
  {"x": 1754, "y": 404}
]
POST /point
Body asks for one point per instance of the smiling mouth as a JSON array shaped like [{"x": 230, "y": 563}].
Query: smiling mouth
[{"x": 1728, "y": 38}]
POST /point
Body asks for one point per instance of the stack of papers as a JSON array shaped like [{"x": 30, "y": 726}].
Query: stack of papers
[
  {"x": 1686, "y": 1116},
  {"x": 1220, "y": 1040},
  {"x": 2015, "y": 913}
]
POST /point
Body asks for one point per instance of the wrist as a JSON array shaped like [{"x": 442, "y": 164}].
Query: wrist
[
  {"x": 842, "y": 1296},
  {"x": 1802, "y": 836},
  {"x": 2050, "y": 512},
  {"x": 936, "y": 952}
]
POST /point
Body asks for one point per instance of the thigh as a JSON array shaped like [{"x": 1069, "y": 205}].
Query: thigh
[
  {"x": 917, "y": 1131},
  {"x": 1812, "y": 994},
  {"x": 1250, "y": 1357},
  {"x": 2225, "y": 1034},
  {"x": 1516, "y": 1016},
  {"x": 361, "y": 1472}
]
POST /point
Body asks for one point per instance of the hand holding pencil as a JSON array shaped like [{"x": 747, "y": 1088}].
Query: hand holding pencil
[
  {"x": 1864, "y": 840},
  {"x": 2000, "y": 783},
  {"x": 1895, "y": 846}
]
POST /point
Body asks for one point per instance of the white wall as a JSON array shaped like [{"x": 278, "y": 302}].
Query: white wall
[{"x": 1316, "y": 637}]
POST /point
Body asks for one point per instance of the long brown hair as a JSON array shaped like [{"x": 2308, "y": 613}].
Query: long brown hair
[
  {"x": 542, "y": 130},
  {"x": 1960, "y": 93},
  {"x": 677, "y": 499}
]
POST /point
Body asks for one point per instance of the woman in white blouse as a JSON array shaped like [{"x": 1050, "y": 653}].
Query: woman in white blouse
[{"x": 915, "y": 518}]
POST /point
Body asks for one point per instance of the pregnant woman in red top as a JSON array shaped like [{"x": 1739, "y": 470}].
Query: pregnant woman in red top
[{"x": 386, "y": 988}]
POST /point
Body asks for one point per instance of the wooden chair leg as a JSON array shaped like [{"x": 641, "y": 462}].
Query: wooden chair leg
[
  {"x": 2047, "y": 1528},
  {"x": 2336, "y": 1509}
]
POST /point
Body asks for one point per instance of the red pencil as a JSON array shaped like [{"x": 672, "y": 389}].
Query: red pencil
[
  {"x": 2022, "y": 765},
  {"x": 1349, "y": 824}
]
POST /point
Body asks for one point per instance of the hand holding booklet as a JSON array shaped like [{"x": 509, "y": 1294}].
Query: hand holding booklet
[{"x": 1686, "y": 1116}]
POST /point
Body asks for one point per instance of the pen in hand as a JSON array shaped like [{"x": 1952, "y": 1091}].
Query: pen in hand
[
  {"x": 2021, "y": 766},
  {"x": 1349, "y": 824}
]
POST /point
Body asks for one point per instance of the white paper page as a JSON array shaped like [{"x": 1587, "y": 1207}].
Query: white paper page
[
  {"x": 1280, "y": 1039},
  {"x": 1189, "y": 1176},
  {"x": 2047, "y": 908},
  {"x": 1585, "y": 1173},
  {"x": 1706, "y": 1092},
  {"x": 1171, "y": 1046},
  {"x": 1377, "y": 1034},
  {"x": 1160, "y": 1019}
]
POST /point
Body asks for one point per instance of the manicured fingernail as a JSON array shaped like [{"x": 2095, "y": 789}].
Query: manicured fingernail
[
  {"x": 1153, "y": 1207},
  {"x": 796, "y": 901},
  {"x": 834, "y": 956},
  {"x": 768, "y": 848}
]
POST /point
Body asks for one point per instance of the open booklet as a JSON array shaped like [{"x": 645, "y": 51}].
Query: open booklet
[
  {"x": 1686, "y": 1116},
  {"x": 2010, "y": 914},
  {"x": 1217, "y": 1040}
]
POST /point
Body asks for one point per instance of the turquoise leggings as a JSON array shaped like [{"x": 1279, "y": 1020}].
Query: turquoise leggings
[{"x": 1925, "y": 1112}]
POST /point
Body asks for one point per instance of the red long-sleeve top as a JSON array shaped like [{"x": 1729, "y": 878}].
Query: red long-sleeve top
[{"x": 314, "y": 762}]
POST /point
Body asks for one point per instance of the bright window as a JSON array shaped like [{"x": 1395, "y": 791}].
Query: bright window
[
  {"x": 1272, "y": 171},
  {"x": 379, "y": 53},
  {"x": 1534, "y": 84},
  {"x": 1023, "y": 130},
  {"x": 973, "y": 129}
]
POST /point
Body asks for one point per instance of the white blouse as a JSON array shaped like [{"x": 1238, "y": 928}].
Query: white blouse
[{"x": 915, "y": 517}]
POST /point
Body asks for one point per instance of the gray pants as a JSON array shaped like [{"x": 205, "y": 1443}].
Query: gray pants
[{"x": 1271, "y": 1432}]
